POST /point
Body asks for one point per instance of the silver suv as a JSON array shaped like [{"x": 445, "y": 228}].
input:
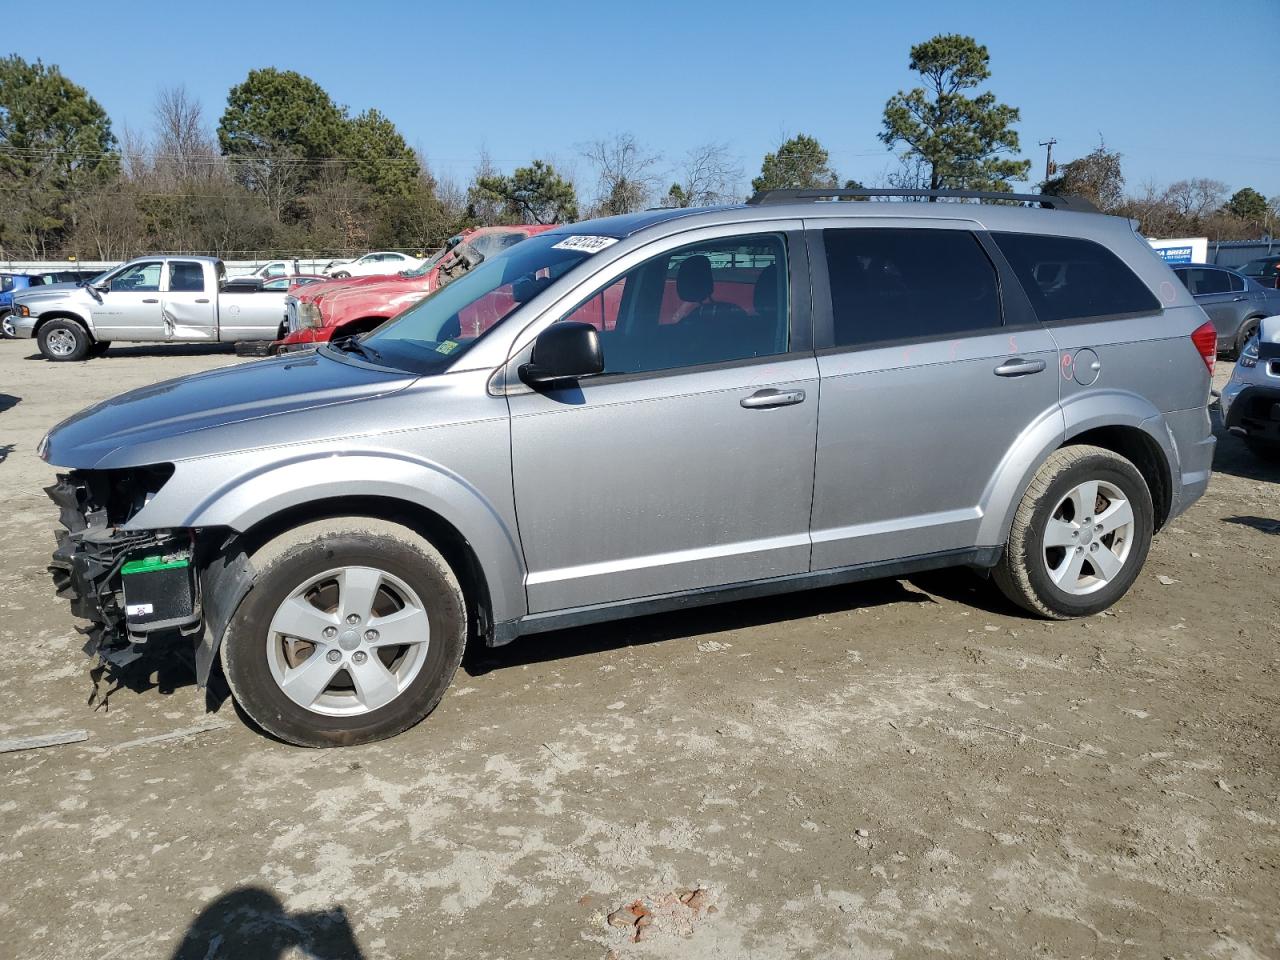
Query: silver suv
[{"x": 645, "y": 413}]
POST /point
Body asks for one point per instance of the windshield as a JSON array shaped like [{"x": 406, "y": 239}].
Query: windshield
[
  {"x": 432, "y": 334},
  {"x": 433, "y": 259},
  {"x": 1257, "y": 268}
]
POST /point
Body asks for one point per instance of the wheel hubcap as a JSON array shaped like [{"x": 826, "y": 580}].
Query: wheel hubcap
[
  {"x": 61, "y": 343},
  {"x": 348, "y": 641},
  {"x": 1088, "y": 537}
]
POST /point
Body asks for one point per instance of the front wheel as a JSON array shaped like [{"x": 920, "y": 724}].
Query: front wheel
[
  {"x": 341, "y": 275},
  {"x": 352, "y": 633},
  {"x": 1247, "y": 331},
  {"x": 64, "y": 340},
  {"x": 1080, "y": 536}
]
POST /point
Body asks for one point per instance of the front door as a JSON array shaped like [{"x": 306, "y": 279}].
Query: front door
[
  {"x": 927, "y": 384},
  {"x": 189, "y": 304},
  {"x": 689, "y": 463},
  {"x": 130, "y": 307}
]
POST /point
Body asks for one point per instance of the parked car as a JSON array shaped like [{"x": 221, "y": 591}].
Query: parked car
[
  {"x": 641, "y": 413},
  {"x": 339, "y": 308},
  {"x": 273, "y": 284},
  {"x": 1264, "y": 271},
  {"x": 166, "y": 299},
  {"x": 1235, "y": 303},
  {"x": 378, "y": 264},
  {"x": 276, "y": 268},
  {"x": 1251, "y": 399},
  {"x": 11, "y": 283}
]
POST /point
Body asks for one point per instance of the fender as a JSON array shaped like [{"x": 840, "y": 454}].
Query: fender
[
  {"x": 1077, "y": 415},
  {"x": 61, "y": 314},
  {"x": 242, "y": 500}
]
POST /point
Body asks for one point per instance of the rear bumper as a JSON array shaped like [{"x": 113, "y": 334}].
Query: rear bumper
[{"x": 1191, "y": 432}]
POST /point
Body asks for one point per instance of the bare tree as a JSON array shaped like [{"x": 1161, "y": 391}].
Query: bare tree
[
  {"x": 707, "y": 176},
  {"x": 626, "y": 173},
  {"x": 482, "y": 208},
  {"x": 1195, "y": 199},
  {"x": 184, "y": 149}
]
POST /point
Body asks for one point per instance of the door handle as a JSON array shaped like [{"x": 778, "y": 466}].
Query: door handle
[
  {"x": 1238, "y": 299},
  {"x": 151, "y": 300},
  {"x": 1017, "y": 367},
  {"x": 764, "y": 399},
  {"x": 202, "y": 299}
]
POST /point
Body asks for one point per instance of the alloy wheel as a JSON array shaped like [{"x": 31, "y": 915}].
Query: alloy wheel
[{"x": 1088, "y": 537}]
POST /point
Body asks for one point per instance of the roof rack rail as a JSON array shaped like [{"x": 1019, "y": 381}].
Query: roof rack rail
[{"x": 1048, "y": 201}]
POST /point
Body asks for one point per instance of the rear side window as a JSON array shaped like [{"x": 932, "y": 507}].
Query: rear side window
[
  {"x": 1068, "y": 278},
  {"x": 898, "y": 284},
  {"x": 186, "y": 277},
  {"x": 1202, "y": 281}
]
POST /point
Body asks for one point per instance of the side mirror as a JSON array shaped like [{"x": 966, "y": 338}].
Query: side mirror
[
  {"x": 103, "y": 287},
  {"x": 564, "y": 351}
]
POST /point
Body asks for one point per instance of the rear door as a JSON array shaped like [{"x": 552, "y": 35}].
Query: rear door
[
  {"x": 188, "y": 304},
  {"x": 130, "y": 307},
  {"x": 932, "y": 367},
  {"x": 689, "y": 463}
]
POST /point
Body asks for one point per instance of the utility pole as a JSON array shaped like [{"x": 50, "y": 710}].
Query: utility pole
[{"x": 1049, "y": 168}]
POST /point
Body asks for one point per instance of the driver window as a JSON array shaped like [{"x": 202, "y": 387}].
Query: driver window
[
  {"x": 140, "y": 278},
  {"x": 712, "y": 302}
]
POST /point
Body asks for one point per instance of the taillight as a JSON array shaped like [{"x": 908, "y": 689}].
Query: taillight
[{"x": 1206, "y": 340}]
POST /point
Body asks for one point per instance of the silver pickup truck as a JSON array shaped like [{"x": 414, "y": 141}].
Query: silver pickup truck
[{"x": 150, "y": 299}]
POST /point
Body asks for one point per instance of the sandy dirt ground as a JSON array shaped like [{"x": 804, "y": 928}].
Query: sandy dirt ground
[{"x": 905, "y": 768}]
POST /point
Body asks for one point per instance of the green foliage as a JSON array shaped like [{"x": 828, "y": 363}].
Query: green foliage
[
  {"x": 533, "y": 194},
  {"x": 57, "y": 143},
  {"x": 1248, "y": 204},
  {"x": 380, "y": 158},
  {"x": 799, "y": 163},
  {"x": 962, "y": 139},
  {"x": 280, "y": 110},
  {"x": 1096, "y": 177}
]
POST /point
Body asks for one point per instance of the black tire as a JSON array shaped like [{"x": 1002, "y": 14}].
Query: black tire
[
  {"x": 64, "y": 341},
  {"x": 289, "y": 561},
  {"x": 342, "y": 275},
  {"x": 1263, "y": 450},
  {"x": 1022, "y": 574},
  {"x": 1247, "y": 330}
]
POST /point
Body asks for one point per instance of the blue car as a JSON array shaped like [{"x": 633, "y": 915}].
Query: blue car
[{"x": 11, "y": 283}]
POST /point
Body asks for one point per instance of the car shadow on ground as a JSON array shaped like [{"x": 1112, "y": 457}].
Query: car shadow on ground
[
  {"x": 1234, "y": 458},
  {"x": 158, "y": 350},
  {"x": 8, "y": 401},
  {"x": 1262, "y": 524},
  {"x": 250, "y": 923},
  {"x": 712, "y": 619}
]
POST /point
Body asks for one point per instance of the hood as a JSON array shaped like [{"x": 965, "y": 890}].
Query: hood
[
  {"x": 325, "y": 288},
  {"x": 395, "y": 292},
  {"x": 53, "y": 291},
  {"x": 230, "y": 409}
]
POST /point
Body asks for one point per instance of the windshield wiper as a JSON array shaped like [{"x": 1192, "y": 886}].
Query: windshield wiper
[{"x": 351, "y": 344}]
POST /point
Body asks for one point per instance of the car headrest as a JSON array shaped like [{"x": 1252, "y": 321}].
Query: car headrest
[
  {"x": 765, "y": 297},
  {"x": 694, "y": 283}
]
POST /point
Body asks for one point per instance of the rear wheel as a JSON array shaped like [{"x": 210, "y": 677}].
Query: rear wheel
[
  {"x": 64, "y": 340},
  {"x": 352, "y": 633},
  {"x": 1080, "y": 536},
  {"x": 341, "y": 275}
]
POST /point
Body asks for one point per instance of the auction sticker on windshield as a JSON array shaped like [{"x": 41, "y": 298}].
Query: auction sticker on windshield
[{"x": 585, "y": 244}]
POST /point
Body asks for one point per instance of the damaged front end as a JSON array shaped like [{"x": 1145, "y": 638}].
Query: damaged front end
[{"x": 130, "y": 584}]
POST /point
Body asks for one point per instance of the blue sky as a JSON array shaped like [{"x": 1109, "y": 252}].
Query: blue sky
[{"x": 1182, "y": 89}]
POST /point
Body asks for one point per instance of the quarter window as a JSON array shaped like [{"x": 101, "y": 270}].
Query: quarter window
[
  {"x": 711, "y": 302},
  {"x": 1068, "y": 278},
  {"x": 1237, "y": 282},
  {"x": 901, "y": 284}
]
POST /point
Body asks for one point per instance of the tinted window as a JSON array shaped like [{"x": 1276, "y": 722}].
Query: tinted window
[
  {"x": 1203, "y": 281},
  {"x": 1237, "y": 282},
  {"x": 896, "y": 284},
  {"x": 186, "y": 277},
  {"x": 6, "y": 283},
  {"x": 710, "y": 302},
  {"x": 1068, "y": 278}
]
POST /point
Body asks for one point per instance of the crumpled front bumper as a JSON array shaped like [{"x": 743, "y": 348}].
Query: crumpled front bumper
[{"x": 93, "y": 560}]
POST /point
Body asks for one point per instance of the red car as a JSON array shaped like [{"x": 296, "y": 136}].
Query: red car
[{"x": 335, "y": 308}]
